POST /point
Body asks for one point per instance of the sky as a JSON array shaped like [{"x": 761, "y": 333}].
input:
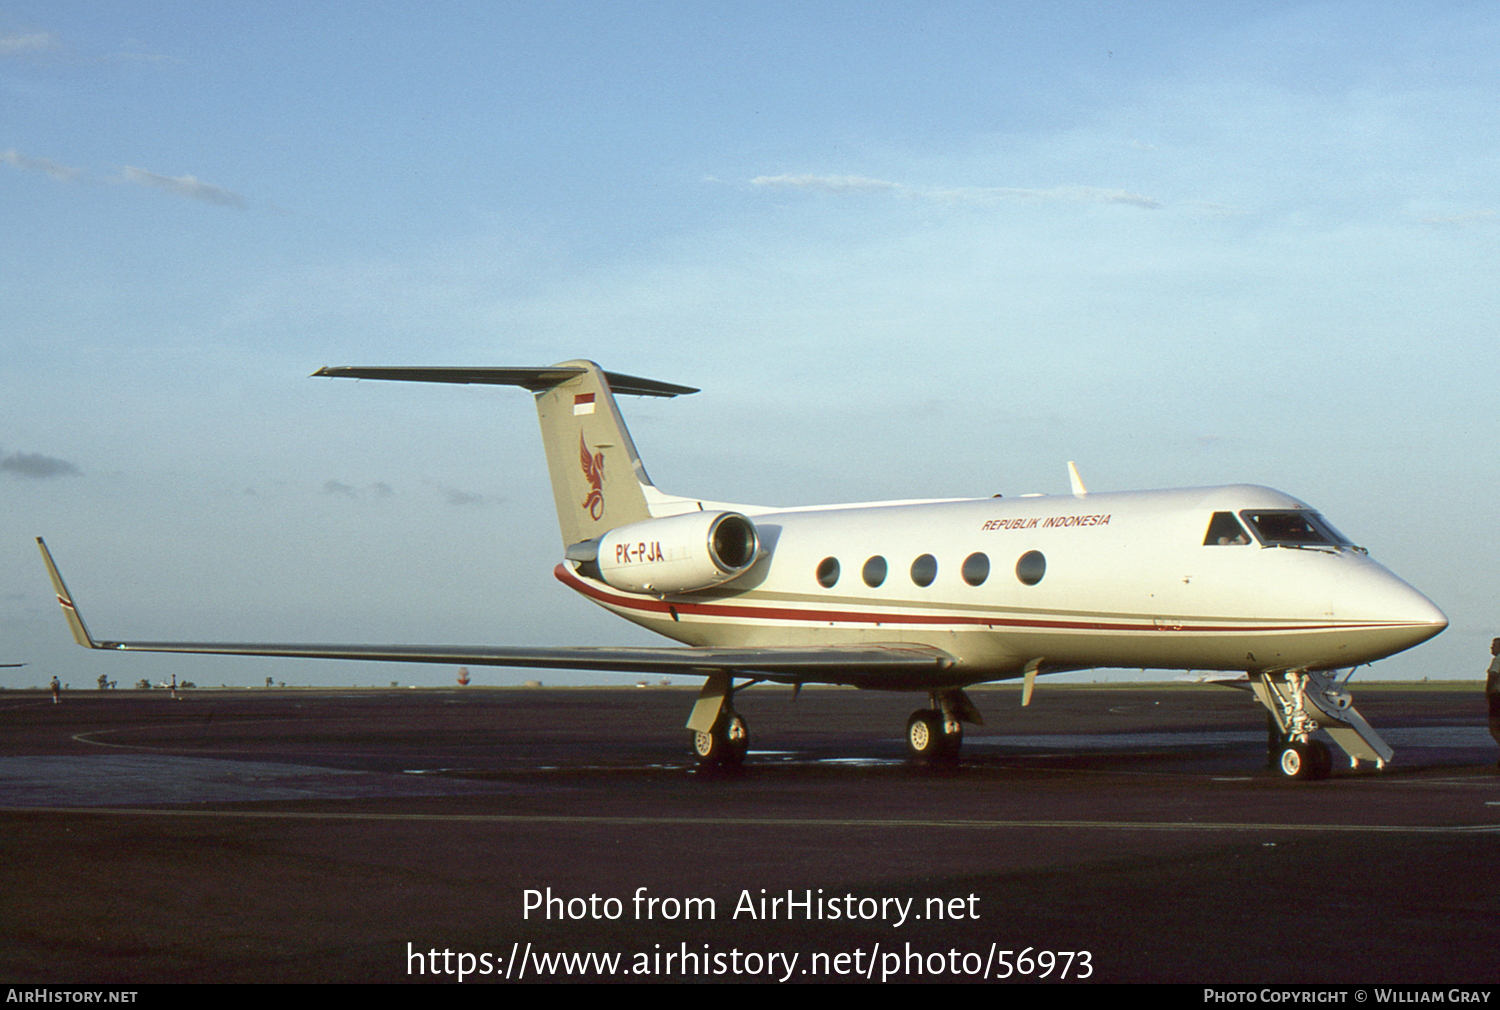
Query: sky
[{"x": 905, "y": 250}]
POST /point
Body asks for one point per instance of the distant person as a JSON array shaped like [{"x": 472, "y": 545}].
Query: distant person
[
  {"x": 1492, "y": 690},
  {"x": 57, "y": 692}
]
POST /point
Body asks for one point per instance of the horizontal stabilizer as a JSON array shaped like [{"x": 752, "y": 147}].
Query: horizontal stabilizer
[{"x": 534, "y": 379}]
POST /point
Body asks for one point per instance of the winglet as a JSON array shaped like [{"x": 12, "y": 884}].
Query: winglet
[
  {"x": 1076, "y": 480},
  {"x": 75, "y": 622}
]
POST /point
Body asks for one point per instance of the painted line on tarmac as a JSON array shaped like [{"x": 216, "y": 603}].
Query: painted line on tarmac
[{"x": 772, "y": 822}]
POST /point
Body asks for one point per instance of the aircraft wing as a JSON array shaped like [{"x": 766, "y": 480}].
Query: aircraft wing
[{"x": 894, "y": 665}]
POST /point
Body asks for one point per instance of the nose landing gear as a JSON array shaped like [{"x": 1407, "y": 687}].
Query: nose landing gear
[
  {"x": 1303, "y": 701},
  {"x": 1309, "y": 760}
]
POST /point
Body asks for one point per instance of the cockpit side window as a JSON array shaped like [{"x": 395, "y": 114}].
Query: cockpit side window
[
  {"x": 1223, "y": 529},
  {"x": 1293, "y": 528}
]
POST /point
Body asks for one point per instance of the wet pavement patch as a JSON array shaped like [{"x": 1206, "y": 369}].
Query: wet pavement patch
[{"x": 130, "y": 779}]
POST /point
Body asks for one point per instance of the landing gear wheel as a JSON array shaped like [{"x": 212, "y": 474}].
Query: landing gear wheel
[
  {"x": 1322, "y": 760},
  {"x": 1293, "y": 762},
  {"x": 953, "y": 743},
  {"x": 1305, "y": 761},
  {"x": 726, "y": 743},
  {"x": 925, "y": 739},
  {"x": 923, "y": 734},
  {"x": 737, "y": 735}
]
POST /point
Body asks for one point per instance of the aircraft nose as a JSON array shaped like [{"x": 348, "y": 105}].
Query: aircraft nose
[
  {"x": 1407, "y": 617},
  {"x": 1425, "y": 619}
]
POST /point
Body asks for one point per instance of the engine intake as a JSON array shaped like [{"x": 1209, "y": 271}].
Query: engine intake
[{"x": 678, "y": 554}]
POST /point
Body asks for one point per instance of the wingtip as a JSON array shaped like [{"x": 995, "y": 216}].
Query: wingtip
[{"x": 65, "y": 600}]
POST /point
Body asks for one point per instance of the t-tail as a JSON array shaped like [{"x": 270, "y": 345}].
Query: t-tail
[{"x": 598, "y": 480}]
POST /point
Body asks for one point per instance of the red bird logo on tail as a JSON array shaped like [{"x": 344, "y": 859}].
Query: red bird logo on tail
[{"x": 593, "y": 472}]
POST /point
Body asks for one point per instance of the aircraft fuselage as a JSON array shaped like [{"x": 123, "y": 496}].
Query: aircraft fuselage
[{"x": 1129, "y": 579}]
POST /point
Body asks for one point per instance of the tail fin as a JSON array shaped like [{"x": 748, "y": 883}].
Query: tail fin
[
  {"x": 596, "y": 472},
  {"x": 598, "y": 479}
]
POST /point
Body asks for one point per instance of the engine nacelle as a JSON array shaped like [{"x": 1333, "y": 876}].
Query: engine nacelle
[{"x": 678, "y": 554}]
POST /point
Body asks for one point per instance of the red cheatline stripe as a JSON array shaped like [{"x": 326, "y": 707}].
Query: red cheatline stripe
[{"x": 651, "y": 605}]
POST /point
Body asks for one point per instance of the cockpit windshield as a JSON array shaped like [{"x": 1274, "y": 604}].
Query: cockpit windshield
[{"x": 1293, "y": 528}]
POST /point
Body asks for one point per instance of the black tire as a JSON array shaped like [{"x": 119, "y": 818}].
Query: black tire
[
  {"x": 708, "y": 748},
  {"x": 924, "y": 734},
  {"x": 926, "y": 741},
  {"x": 1292, "y": 761},
  {"x": 953, "y": 743},
  {"x": 1321, "y": 758},
  {"x": 725, "y": 744},
  {"x": 1296, "y": 761},
  {"x": 736, "y": 739}
]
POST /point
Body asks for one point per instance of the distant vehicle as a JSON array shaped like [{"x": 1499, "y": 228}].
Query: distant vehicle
[{"x": 930, "y": 596}]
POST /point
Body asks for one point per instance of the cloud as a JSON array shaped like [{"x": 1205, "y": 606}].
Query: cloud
[
  {"x": 52, "y": 168},
  {"x": 380, "y": 489},
  {"x": 33, "y": 42},
  {"x": 135, "y": 51},
  {"x": 1214, "y": 209},
  {"x": 957, "y": 194},
  {"x": 1060, "y": 194},
  {"x": 460, "y": 497},
  {"x": 184, "y": 185},
  {"x": 825, "y": 183},
  {"x": 34, "y": 464},
  {"x": 1458, "y": 220}
]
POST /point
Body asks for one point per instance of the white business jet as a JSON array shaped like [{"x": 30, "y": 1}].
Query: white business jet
[{"x": 930, "y": 596}]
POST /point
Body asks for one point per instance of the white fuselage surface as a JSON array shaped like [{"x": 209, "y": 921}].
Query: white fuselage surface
[{"x": 1126, "y": 579}]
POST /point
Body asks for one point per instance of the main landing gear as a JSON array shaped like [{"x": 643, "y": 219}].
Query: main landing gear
[
  {"x": 720, "y": 734},
  {"x": 937, "y": 734},
  {"x": 928, "y": 739},
  {"x": 725, "y": 743},
  {"x": 721, "y": 737}
]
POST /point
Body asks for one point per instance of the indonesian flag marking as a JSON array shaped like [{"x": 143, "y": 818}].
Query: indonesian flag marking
[{"x": 583, "y": 403}]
